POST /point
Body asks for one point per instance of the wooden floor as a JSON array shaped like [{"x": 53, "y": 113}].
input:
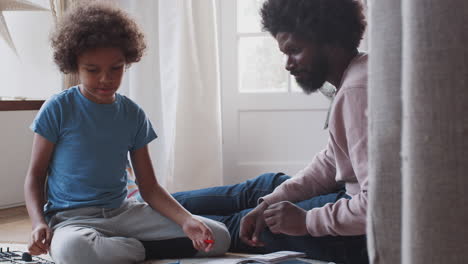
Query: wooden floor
[{"x": 15, "y": 226}]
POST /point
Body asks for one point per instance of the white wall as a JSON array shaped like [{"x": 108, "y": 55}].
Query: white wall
[{"x": 15, "y": 145}]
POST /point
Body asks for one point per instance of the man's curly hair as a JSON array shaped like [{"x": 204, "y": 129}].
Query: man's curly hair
[
  {"x": 336, "y": 22},
  {"x": 92, "y": 25}
]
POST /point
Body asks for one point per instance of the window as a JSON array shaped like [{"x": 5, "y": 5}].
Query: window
[
  {"x": 269, "y": 124},
  {"x": 260, "y": 64},
  {"x": 30, "y": 73}
]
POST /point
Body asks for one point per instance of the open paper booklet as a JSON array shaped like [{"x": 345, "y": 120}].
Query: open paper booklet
[{"x": 280, "y": 257}]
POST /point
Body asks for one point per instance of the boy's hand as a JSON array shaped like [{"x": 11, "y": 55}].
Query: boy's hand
[
  {"x": 251, "y": 225},
  {"x": 39, "y": 243},
  {"x": 199, "y": 233}
]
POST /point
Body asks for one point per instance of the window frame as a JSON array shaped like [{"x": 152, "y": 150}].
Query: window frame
[{"x": 20, "y": 105}]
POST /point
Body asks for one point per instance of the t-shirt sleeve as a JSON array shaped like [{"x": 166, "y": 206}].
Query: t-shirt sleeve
[
  {"x": 144, "y": 133},
  {"x": 47, "y": 121}
]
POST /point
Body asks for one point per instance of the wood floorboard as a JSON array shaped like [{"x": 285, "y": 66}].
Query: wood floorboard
[{"x": 15, "y": 226}]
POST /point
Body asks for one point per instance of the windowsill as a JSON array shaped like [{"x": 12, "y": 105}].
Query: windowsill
[{"x": 23, "y": 105}]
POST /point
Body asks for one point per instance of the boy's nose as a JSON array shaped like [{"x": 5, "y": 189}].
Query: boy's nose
[{"x": 106, "y": 77}]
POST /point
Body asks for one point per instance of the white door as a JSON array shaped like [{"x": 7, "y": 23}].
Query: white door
[{"x": 269, "y": 124}]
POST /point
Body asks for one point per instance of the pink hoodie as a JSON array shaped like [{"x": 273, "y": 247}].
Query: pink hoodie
[{"x": 344, "y": 160}]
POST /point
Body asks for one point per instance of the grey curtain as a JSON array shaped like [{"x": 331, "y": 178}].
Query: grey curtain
[{"x": 418, "y": 131}]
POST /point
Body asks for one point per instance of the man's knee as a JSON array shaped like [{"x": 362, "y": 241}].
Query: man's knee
[
  {"x": 269, "y": 180},
  {"x": 221, "y": 237}
]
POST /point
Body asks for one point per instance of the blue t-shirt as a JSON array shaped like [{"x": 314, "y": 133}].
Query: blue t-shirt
[{"x": 92, "y": 142}]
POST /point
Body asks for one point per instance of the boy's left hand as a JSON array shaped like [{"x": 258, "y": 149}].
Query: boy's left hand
[{"x": 198, "y": 232}]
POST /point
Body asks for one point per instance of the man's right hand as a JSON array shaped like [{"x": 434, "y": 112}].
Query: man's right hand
[
  {"x": 252, "y": 224},
  {"x": 41, "y": 237}
]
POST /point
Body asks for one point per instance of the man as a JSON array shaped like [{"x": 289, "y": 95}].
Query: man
[{"x": 322, "y": 210}]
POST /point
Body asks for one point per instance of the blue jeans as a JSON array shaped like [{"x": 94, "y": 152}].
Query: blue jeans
[{"x": 228, "y": 204}]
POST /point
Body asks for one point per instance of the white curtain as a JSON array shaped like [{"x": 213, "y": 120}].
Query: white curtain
[
  {"x": 177, "y": 84},
  {"x": 418, "y": 131},
  {"x": 58, "y": 8}
]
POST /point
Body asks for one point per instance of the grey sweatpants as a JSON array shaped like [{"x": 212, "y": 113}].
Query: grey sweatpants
[{"x": 97, "y": 235}]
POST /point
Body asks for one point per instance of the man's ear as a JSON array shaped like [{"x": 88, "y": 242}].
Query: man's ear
[
  {"x": 333, "y": 50},
  {"x": 330, "y": 49}
]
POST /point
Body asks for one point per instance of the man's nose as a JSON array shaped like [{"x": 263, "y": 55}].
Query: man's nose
[{"x": 289, "y": 64}]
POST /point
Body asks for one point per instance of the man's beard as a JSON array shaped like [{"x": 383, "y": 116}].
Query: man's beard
[{"x": 315, "y": 78}]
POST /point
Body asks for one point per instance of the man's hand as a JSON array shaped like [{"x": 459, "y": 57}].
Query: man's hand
[
  {"x": 252, "y": 225},
  {"x": 198, "y": 232},
  {"x": 286, "y": 218},
  {"x": 39, "y": 243}
]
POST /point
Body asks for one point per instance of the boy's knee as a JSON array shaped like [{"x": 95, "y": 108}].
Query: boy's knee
[
  {"x": 72, "y": 247},
  {"x": 221, "y": 237},
  {"x": 85, "y": 245}
]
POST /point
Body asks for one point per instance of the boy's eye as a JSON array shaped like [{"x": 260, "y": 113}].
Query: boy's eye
[
  {"x": 117, "y": 68},
  {"x": 91, "y": 70}
]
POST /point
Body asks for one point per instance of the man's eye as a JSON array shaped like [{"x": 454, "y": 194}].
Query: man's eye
[
  {"x": 117, "y": 68},
  {"x": 91, "y": 70},
  {"x": 294, "y": 50}
]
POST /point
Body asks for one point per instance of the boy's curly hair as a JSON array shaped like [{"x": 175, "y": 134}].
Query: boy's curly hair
[
  {"x": 336, "y": 22},
  {"x": 93, "y": 25}
]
